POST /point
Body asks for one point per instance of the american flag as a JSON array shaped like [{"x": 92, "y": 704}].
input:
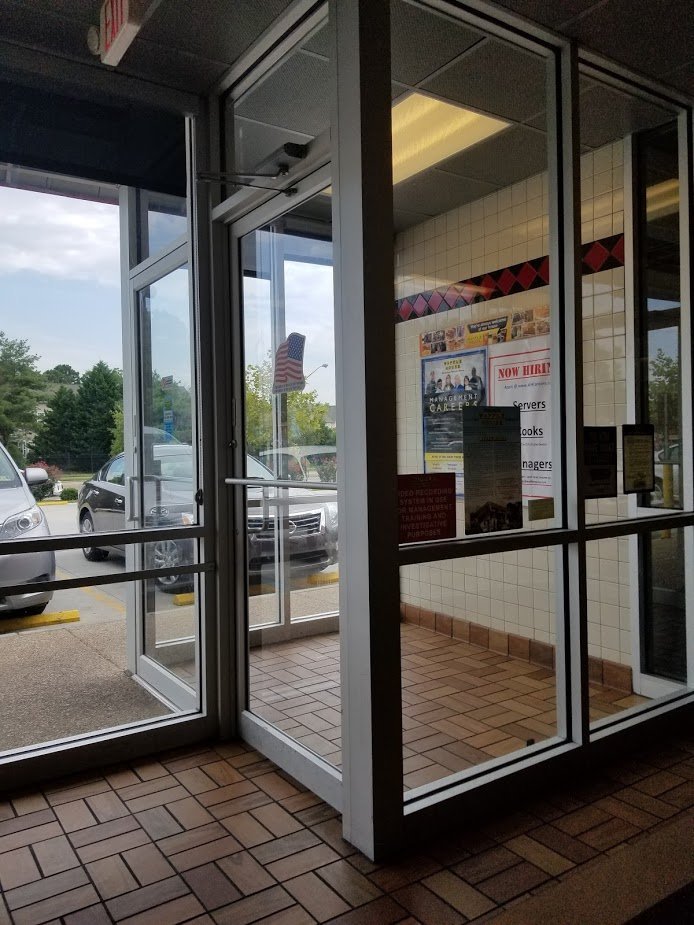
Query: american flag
[{"x": 289, "y": 365}]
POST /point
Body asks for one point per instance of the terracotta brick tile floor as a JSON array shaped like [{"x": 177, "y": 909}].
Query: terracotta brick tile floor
[
  {"x": 462, "y": 704},
  {"x": 217, "y": 834}
]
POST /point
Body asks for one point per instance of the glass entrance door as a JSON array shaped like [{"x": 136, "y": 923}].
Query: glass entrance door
[
  {"x": 286, "y": 486},
  {"x": 161, "y": 480}
]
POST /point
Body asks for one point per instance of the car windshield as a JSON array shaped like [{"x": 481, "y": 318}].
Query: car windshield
[
  {"x": 175, "y": 465},
  {"x": 325, "y": 464},
  {"x": 256, "y": 470},
  {"x": 8, "y": 474}
]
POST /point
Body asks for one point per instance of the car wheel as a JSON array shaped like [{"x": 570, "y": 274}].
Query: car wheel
[
  {"x": 91, "y": 553},
  {"x": 31, "y": 611},
  {"x": 166, "y": 555}
]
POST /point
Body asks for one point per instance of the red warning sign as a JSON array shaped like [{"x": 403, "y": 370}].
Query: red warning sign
[{"x": 427, "y": 507}]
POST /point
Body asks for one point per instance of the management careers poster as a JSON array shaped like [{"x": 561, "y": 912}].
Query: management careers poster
[
  {"x": 449, "y": 384},
  {"x": 520, "y": 376}
]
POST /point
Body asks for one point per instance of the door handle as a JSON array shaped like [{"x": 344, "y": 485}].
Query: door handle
[{"x": 132, "y": 509}]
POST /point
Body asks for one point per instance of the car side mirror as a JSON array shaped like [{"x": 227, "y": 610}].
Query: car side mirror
[{"x": 35, "y": 475}]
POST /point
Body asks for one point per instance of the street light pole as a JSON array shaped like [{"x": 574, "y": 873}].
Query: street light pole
[{"x": 322, "y": 366}]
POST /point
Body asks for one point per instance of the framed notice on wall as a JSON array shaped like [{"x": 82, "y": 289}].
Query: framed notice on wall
[
  {"x": 426, "y": 507},
  {"x": 493, "y": 480},
  {"x": 600, "y": 462},
  {"x": 638, "y": 447}
]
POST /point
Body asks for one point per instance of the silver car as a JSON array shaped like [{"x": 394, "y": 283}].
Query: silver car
[{"x": 20, "y": 518}]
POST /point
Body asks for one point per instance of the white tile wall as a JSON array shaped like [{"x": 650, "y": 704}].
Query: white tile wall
[{"x": 514, "y": 591}]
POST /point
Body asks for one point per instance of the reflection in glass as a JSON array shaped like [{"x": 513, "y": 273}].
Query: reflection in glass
[
  {"x": 292, "y": 531},
  {"x": 657, "y": 206},
  {"x": 170, "y": 621},
  {"x": 163, "y": 220},
  {"x": 168, "y": 402},
  {"x": 664, "y": 639},
  {"x": 474, "y": 320},
  {"x": 264, "y": 121},
  {"x": 636, "y": 620}
]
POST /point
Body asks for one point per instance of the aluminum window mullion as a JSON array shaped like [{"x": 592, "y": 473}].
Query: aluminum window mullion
[
  {"x": 367, "y": 454},
  {"x": 419, "y": 554},
  {"x": 617, "y": 75},
  {"x": 88, "y": 581},
  {"x": 484, "y": 16},
  {"x": 273, "y": 45},
  {"x": 568, "y": 262},
  {"x": 686, "y": 178}
]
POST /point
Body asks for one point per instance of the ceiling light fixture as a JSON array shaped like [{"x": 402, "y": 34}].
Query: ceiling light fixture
[{"x": 427, "y": 131}]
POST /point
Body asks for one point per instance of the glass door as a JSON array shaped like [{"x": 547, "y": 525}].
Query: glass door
[
  {"x": 161, "y": 479},
  {"x": 286, "y": 483}
]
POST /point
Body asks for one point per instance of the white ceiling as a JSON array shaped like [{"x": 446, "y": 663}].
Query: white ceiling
[{"x": 189, "y": 44}]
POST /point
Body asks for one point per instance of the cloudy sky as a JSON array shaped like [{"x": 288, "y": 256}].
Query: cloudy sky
[
  {"x": 60, "y": 291},
  {"x": 59, "y": 278}
]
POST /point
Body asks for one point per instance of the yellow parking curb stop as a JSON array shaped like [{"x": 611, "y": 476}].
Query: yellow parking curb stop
[
  {"x": 320, "y": 578},
  {"x": 15, "y": 624},
  {"x": 181, "y": 600}
]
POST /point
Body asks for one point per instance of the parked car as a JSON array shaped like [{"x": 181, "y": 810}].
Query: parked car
[
  {"x": 312, "y": 525},
  {"x": 311, "y": 521},
  {"x": 168, "y": 503},
  {"x": 668, "y": 456},
  {"x": 302, "y": 463},
  {"x": 21, "y": 518}
]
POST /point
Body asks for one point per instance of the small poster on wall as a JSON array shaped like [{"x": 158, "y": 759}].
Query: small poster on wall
[
  {"x": 638, "y": 446},
  {"x": 600, "y": 462},
  {"x": 427, "y": 507},
  {"x": 520, "y": 375},
  {"x": 493, "y": 479},
  {"x": 450, "y": 384}
]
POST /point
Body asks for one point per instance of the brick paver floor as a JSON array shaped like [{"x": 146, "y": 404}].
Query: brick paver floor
[
  {"x": 216, "y": 834},
  {"x": 462, "y": 704}
]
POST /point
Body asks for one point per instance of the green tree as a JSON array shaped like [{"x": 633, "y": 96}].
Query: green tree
[
  {"x": 62, "y": 374},
  {"x": 20, "y": 383},
  {"x": 174, "y": 398},
  {"x": 57, "y": 436},
  {"x": 118, "y": 430},
  {"x": 664, "y": 395},
  {"x": 98, "y": 396},
  {"x": 303, "y": 414},
  {"x": 259, "y": 407}
]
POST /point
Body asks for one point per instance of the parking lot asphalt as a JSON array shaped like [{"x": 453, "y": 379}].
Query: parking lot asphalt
[
  {"x": 95, "y": 604},
  {"x": 103, "y": 603}
]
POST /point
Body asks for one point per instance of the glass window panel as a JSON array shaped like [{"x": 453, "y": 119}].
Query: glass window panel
[
  {"x": 479, "y": 657},
  {"x": 81, "y": 634},
  {"x": 168, "y": 402},
  {"x": 474, "y": 317},
  {"x": 163, "y": 220},
  {"x": 637, "y": 620},
  {"x": 288, "y": 105},
  {"x": 623, "y": 136},
  {"x": 292, "y": 532}
]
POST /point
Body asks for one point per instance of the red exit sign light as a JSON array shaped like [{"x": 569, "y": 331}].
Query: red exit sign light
[{"x": 119, "y": 24}]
